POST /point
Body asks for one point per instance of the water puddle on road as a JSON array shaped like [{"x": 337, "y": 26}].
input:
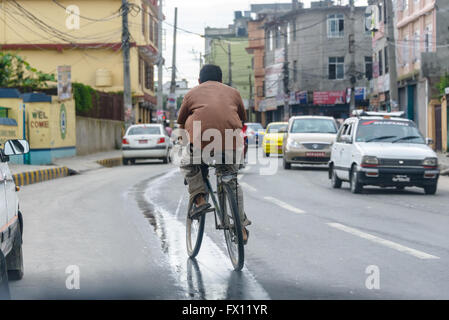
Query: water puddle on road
[{"x": 210, "y": 276}]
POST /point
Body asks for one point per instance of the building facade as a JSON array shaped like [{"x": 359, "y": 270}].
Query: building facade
[
  {"x": 422, "y": 28},
  {"x": 326, "y": 53},
  {"x": 87, "y": 37}
]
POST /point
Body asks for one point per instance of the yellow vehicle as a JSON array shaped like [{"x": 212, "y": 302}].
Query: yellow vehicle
[{"x": 274, "y": 138}]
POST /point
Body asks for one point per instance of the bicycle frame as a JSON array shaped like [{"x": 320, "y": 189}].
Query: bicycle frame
[{"x": 217, "y": 204}]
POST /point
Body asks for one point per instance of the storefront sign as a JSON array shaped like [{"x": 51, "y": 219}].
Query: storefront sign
[
  {"x": 301, "y": 97},
  {"x": 329, "y": 97}
]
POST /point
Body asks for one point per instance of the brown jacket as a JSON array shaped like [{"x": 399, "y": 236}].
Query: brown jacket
[{"x": 217, "y": 106}]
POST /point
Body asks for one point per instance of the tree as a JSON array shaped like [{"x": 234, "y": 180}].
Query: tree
[
  {"x": 443, "y": 84},
  {"x": 16, "y": 72}
]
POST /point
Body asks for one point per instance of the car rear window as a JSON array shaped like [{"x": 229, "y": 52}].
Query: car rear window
[
  {"x": 275, "y": 128},
  {"x": 144, "y": 130}
]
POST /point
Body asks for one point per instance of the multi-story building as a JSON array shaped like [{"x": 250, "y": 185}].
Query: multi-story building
[
  {"x": 327, "y": 53},
  {"x": 86, "y": 35},
  {"x": 379, "y": 90},
  {"x": 422, "y": 50},
  {"x": 227, "y": 47}
]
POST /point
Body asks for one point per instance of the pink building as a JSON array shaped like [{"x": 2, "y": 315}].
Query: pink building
[{"x": 421, "y": 26}]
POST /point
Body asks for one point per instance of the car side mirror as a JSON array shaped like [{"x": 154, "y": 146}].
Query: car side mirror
[
  {"x": 16, "y": 147},
  {"x": 429, "y": 141},
  {"x": 346, "y": 139}
]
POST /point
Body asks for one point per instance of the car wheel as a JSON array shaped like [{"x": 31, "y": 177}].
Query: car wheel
[
  {"x": 432, "y": 189},
  {"x": 356, "y": 186},
  {"x": 335, "y": 180},
  {"x": 266, "y": 154},
  {"x": 287, "y": 165},
  {"x": 125, "y": 161},
  {"x": 4, "y": 285},
  {"x": 166, "y": 159}
]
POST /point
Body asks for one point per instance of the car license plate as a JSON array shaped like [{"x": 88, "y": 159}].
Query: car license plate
[
  {"x": 143, "y": 141},
  {"x": 315, "y": 154},
  {"x": 401, "y": 178}
]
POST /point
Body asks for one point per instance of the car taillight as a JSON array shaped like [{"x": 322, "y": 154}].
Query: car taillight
[
  {"x": 161, "y": 140},
  {"x": 125, "y": 141}
]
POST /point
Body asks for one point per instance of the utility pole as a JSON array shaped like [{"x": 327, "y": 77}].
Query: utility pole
[
  {"x": 250, "y": 102},
  {"x": 172, "y": 97},
  {"x": 286, "y": 78},
  {"x": 160, "y": 63},
  {"x": 392, "y": 56},
  {"x": 352, "y": 72},
  {"x": 229, "y": 65},
  {"x": 127, "y": 99}
]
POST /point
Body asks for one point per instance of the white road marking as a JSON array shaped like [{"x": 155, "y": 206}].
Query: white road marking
[
  {"x": 284, "y": 205},
  {"x": 387, "y": 243},
  {"x": 247, "y": 186},
  {"x": 179, "y": 203}
]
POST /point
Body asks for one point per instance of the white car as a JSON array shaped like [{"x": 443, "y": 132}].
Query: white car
[
  {"x": 146, "y": 141},
  {"x": 385, "y": 150},
  {"x": 11, "y": 220}
]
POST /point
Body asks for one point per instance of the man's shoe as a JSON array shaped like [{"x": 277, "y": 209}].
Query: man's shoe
[
  {"x": 197, "y": 211},
  {"x": 245, "y": 234}
]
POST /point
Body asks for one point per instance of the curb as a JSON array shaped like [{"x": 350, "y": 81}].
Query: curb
[
  {"x": 112, "y": 162},
  {"x": 30, "y": 177}
]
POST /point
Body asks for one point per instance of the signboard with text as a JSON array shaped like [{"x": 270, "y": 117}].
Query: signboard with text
[
  {"x": 329, "y": 97},
  {"x": 64, "y": 82}
]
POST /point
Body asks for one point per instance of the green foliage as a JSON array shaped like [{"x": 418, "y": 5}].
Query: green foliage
[
  {"x": 443, "y": 84},
  {"x": 16, "y": 72},
  {"x": 83, "y": 96}
]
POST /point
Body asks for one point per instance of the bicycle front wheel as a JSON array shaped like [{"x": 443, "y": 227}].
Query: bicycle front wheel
[
  {"x": 194, "y": 232},
  {"x": 232, "y": 227}
]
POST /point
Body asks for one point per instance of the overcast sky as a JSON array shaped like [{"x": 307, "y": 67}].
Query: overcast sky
[{"x": 195, "y": 15}]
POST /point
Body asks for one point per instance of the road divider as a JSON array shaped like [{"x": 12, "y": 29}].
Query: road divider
[
  {"x": 386, "y": 243},
  {"x": 109, "y": 163},
  {"x": 30, "y": 177},
  {"x": 284, "y": 205}
]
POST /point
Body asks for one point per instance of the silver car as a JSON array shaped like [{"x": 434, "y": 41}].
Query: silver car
[
  {"x": 309, "y": 140},
  {"x": 146, "y": 141}
]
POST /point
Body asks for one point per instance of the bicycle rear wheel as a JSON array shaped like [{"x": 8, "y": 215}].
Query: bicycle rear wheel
[
  {"x": 233, "y": 227},
  {"x": 194, "y": 232}
]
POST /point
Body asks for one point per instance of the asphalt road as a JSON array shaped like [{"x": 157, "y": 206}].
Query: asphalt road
[{"x": 124, "y": 228}]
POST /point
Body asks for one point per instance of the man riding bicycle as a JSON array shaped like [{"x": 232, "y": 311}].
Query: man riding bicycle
[{"x": 215, "y": 108}]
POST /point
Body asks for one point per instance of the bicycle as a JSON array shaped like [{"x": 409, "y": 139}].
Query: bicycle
[{"x": 228, "y": 220}]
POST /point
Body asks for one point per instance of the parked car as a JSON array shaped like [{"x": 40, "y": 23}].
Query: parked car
[
  {"x": 309, "y": 140},
  {"x": 11, "y": 220},
  {"x": 255, "y": 133},
  {"x": 273, "y": 138},
  {"x": 146, "y": 141},
  {"x": 385, "y": 150}
]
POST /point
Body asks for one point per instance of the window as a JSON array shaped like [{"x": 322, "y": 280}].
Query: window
[
  {"x": 288, "y": 33},
  {"x": 156, "y": 32},
  {"x": 151, "y": 29},
  {"x": 369, "y": 68},
  {"x": 270, "y": 40},
  {"x": 149, "y": 76},
  {"x": 295, "y": 71},
  {"x": 416, "y": 46},
  {"x": 144, "y": 19},
  {"x": 140, "y": 71},
  {"x": 260, "y": 91},
  {"x": 428, "y": 38},
  {"x": 134, "y": 131},
  {"x": 405, "y": 51},
  {"x": 294, "y": 30},
  {"x": 380, "y": 60},
  {"x": 387, "y": 67},
  {"x": 335, "y": 26},
  {"x": 336, "y": 68},
  {"x": 278, "y": 38}
]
